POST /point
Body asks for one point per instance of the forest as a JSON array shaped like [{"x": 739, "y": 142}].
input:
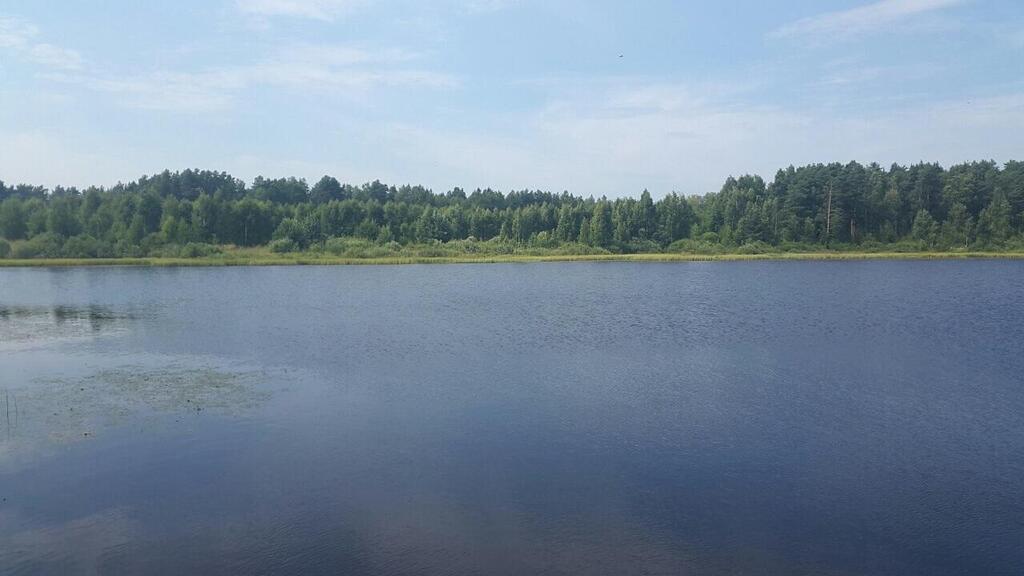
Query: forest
[{"x": 977, "y": 206}]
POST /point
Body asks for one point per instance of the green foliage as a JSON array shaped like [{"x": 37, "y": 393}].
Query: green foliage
[
  {"x": 5, "y": 248},
  {"x": 601, "y": 225},
  {"x": 359, "y": 248},
  {"x": 925, "y": 228},
  {"x": 13, "y": 220},
  {"x": 45, "y": 245},
  {"x": 190, "y": 250},
  {"x": 85, "y": 246},
  {"x": 974, "y": 206},
  {"x": 293, "y": 231},
  {"x": 283, "y": 245}
]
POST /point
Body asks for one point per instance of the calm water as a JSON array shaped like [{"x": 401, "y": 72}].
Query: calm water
[{"x": 722, "y": 418}]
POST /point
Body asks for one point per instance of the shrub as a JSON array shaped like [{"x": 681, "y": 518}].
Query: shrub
[
  {"x": 126, "y": 249},
  {"x": 348, "y": 247},
  {"x": 467, "y": 246},
  {"x": 283, "y": 245},
  {"x": 756, "y": 247},
  {"x": 46, "y": 245},
  {"x": 641, "y": 247},
  {"x": 574, "y": 248},
  {"x": 199, "y": 250},
  {"x": 691, "y": 246},
  {"x": 85, "y": 246},
  {"x": 1016, "y": 244},
  {"x": 5, "y": 248},
  {"x": 292, "y": 229},
  {"x": 432, "y": 251}
]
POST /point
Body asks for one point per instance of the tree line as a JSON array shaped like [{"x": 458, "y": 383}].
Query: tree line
[{"x": 977, "y": 205}]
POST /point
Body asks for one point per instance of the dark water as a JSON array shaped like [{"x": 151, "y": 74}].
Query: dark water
[{"x": 725, "y": 418}]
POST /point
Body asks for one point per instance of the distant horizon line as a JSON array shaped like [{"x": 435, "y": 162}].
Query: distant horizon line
[{"x": 249, "y": 184}]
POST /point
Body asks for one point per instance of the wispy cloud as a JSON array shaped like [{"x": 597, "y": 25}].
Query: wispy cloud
[
  {"x": 346, "y": 70},
  {"x": 15, "y": 32},
  {"x": 176, "y": 92},
  {"x": 326, "y": 10},
  {"x": 56, "y": 57},
  {"x": 330, "y": 10},
  {"x": 476, "y": 6},
  {"x": 19, "y": 37},
  {"x": 847, "y": 72},
  {"x": 351, "y": 71},
  {"x": 673, "y": 137},
  {"x": 861, "y": 20}
]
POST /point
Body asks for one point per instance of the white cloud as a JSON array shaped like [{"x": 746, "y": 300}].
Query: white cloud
[
  {"x": 351, "y": 72},
  {"x": 56, "y": 57},
  {"x": 16, "y": 33},
  {"x": 177, "y": 92},
  {"x": 315, "y": 9},
  {"x": 330, "y": 10},
  {"x": 18, "y": 36},
  {"x": 849, "y": 72},
  {"x": 861, "y": 20},
  {"x": 477, "y": 6}
]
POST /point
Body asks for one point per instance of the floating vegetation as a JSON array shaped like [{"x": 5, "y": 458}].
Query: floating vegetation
[
  {"x": 175, "y": 387},
  {"x": 69, "y": 409}
]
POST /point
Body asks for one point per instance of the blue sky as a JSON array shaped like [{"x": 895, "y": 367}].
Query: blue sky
[{"x": 596, "y": 97}]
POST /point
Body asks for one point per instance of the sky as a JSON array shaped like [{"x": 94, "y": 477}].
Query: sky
[{"x": 595, "y": 97}]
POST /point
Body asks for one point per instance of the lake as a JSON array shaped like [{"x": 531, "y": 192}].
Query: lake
[{"x": 790, "y": 418}]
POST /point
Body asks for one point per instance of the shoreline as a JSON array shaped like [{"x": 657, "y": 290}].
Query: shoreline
[{"x": 320, "y": 260}]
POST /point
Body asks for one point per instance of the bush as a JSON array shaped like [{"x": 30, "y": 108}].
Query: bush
[
  {"x": 359, "y": 248},
  {"x": 543, "y": 239},
  {"x": 151, "y": 244},
  {"x": 756, "y": 247},
  {"x": 495, "y": 246},
  {"x": 790, "y": 246},
  {"x": 292, "y": 229},
  {"x": 85, "y": 246},
  {"x": 283, "y": 245},
  {"x": 1015, "y": 244},
  {"x": 46, "y": 245},
  {"x": 126, "y": 249},
  {"x": 190, "y": 250},
  {"x": 691, "y": 246},
  {"x": 641, "y": 247},
  {"x": 199, "y": 250},
  {"x": 5, "y": 248},
  {"x": 432, "y": 251},
  {"x": 575, "y": 248},
  {"x": 467, "y": 246},
  {"x": 348, "y": 247}
]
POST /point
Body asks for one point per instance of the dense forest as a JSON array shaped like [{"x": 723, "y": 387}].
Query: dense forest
[{"x": 973, "y": 206}]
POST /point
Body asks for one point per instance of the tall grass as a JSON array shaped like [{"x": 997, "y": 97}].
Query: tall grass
[{"x": 256, "y": 257}]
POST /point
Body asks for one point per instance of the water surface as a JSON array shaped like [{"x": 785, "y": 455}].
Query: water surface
[{"x": 825, "y": 418}]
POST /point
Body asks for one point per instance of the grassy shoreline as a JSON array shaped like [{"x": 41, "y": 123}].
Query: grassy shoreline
[{"x": 327, "y": 260}]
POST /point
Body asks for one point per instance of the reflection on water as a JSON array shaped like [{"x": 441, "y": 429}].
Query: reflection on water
[{"x": 19, "y": 324}]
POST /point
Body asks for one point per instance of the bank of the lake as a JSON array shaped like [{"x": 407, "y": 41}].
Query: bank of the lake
[{"x": 316, "y": 259}]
